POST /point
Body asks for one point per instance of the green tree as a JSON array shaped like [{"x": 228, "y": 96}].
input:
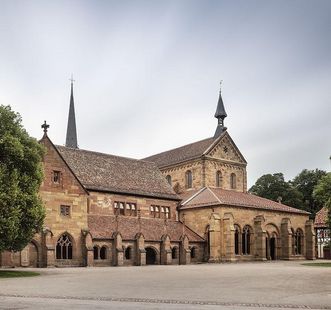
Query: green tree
[
  {"x": 21, "y": 209},
  {"x": 322, "y": 193},
  {"x": 305, "y": 182},
  {"x": 274, "y": 187}
]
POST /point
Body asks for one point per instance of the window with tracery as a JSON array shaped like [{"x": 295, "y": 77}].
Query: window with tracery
[
  {"x": 297, "y": 240},
  {"x": 64, "y": 247},
  {"x": 246, "y": 241},
  {"x": 188, "y": 179}
]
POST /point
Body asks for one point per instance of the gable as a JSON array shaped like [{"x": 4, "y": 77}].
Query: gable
[
  {"x": 53, "y": 161},
  {"x": 225, "y": 149}
]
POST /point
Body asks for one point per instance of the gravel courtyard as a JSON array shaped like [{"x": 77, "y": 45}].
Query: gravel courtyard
[{"x": 268, "y": 285}]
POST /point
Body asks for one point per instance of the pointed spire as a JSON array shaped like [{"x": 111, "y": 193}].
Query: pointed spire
[
  {"x": 71, "y": 138},
  {"x": 220, "y": 114}
]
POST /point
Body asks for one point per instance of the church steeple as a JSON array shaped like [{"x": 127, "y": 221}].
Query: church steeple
[
  {"x": 71, "y": 138},
  {"x": 220, "y": 114}
]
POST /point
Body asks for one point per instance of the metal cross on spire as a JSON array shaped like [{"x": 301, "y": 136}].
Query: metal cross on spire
[{"x": 45, "y": 126}]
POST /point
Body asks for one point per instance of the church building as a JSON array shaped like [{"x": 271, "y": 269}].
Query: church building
[{"x": 182, "y": 206}]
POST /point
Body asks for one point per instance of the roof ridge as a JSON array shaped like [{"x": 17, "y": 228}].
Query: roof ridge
[
  {"x": 103, "y": 154},
  {"x": 176, "y": 148}
]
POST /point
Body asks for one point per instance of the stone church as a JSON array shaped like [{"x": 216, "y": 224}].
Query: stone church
[{"x": 182, "y": 206}]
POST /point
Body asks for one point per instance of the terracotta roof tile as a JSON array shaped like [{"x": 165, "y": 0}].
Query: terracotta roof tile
[
  {"x": 217, "y": 196},
  {"x": 103, "y": 172},
  {"x": 103, "y": 227},
  {"x": 180, "y": 154},
  {"x": 321, "y": 218}
]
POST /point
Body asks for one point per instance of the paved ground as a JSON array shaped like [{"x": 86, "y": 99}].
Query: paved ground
[{"x": 269, "y": 285}]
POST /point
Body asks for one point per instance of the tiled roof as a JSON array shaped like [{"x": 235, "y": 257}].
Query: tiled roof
[
  {"x": 103, "y": 227},
  {"x": 103, "y": 172},
  {"x": 180, "y": 154},
  {"x": 210, "y": 196},
  {"x": 321, "y": 218}
]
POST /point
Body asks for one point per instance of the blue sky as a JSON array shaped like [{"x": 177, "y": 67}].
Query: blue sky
[{"x": 147, "y": 75}]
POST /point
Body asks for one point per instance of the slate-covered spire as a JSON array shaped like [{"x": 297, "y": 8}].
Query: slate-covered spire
[
  {"x": 220, "y": 114},
  {"x": 71, "y": 138}
]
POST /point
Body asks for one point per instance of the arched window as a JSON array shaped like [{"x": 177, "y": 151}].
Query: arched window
[
  {"x": 218, "y": 179},
  {"x": 168, "y": 177},
  {"x": 246, "y": 241},
  {"x": 95, "y": 252},
  {"x": 236, "y": 240},
  {"x": 103, "y": 252},
  {"x": 64, "y": 247},
  {"x": 193, "y": 254},
  {"x": 174, "y": 253},
  {"x": 188, "y": 179},
  {"x": 233, "y": 181},
  {"x": 128, "y": 253}
]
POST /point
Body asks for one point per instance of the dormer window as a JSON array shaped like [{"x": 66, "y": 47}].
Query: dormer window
[
  {"x": 188, "y": 179},
  {"x": 56, "y": 177}
]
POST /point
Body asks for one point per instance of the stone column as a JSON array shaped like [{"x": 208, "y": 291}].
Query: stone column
[
  {"x": 87, "y": 248},
  {"x": 117, "y": 250},
  {"x": 310, "y": 240},
  {"x": 165, "y": 250},
  {"x": 260, "y": 238},
  {"x": 286, "y": 238},
  {"x": 49, "y": 248},
  {"x": 214, "y": 238},
  {"x": 228, "y": 230},
  {"x": 140, "y": 250},
  {"x": 185, "y": 252}
]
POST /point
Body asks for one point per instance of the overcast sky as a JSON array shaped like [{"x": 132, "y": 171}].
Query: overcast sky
[{"x": 147, "y": 75}]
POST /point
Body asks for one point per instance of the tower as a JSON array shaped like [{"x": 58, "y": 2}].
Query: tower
[
  {"x": 220, "y": 114},
  {"x": 71, "y": 138}
]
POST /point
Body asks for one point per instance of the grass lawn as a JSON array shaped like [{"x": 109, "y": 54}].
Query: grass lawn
[
  {"x": 17, "y": 274},
  {"x": 318, "y": 264}
]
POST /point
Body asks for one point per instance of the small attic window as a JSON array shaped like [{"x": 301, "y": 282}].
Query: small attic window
[{"x": 56, "y": 177}]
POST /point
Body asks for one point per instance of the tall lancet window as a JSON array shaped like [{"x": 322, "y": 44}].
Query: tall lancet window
[
  {"x": 188, "y": 179},
  {"x": 218, "y": 179},
  {"x": 233, "y": 181}
]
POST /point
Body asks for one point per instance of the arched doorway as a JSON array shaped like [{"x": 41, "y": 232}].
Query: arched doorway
[{"x": 150, "y": 256}]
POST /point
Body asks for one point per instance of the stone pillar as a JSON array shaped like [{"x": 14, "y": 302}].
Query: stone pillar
[
  {"x": 140, "y": 250},
  {"x": 49, "y": 248},
  {"x": 214, "y": 238},
  {"x": 165, "y": 250},
  {"x": 260, "y": 238},
  {"x": 88, "y": 248},
  {"x": 310, "y": 240},
  {"x": 117, "y": 250},
  {"x": 286, "y": 238},
  {"x": 228, "y": 230},
  {"x": 185, "y": 252}
]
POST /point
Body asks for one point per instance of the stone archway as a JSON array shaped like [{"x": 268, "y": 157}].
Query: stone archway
[
  {"x": 150, "y": 256},
  {"x": 29, "y": 255}
]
